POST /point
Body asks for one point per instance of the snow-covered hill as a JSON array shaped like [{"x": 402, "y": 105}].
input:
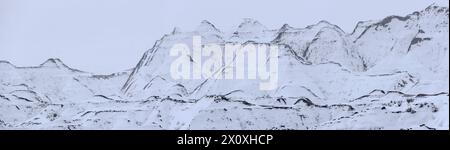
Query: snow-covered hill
[{"x": 391, "y": 73}]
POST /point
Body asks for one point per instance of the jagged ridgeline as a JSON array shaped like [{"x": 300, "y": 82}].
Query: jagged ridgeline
[{"x": 391, "y": 73}]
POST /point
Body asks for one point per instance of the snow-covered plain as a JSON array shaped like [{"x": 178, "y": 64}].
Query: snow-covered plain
[{"x": 391, "y": 73}]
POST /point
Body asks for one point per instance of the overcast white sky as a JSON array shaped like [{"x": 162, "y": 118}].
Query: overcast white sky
[{"x": 106, "y": 36}]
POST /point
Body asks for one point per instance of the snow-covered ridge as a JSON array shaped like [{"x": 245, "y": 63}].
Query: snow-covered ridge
[
  {"x": 206, "y": 26},
  {"x": 52, "y": 63},
  {"x": 307, "y": 43}
]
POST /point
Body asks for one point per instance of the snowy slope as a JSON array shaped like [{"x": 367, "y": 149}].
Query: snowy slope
[{"x": 390, "y": 73}]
